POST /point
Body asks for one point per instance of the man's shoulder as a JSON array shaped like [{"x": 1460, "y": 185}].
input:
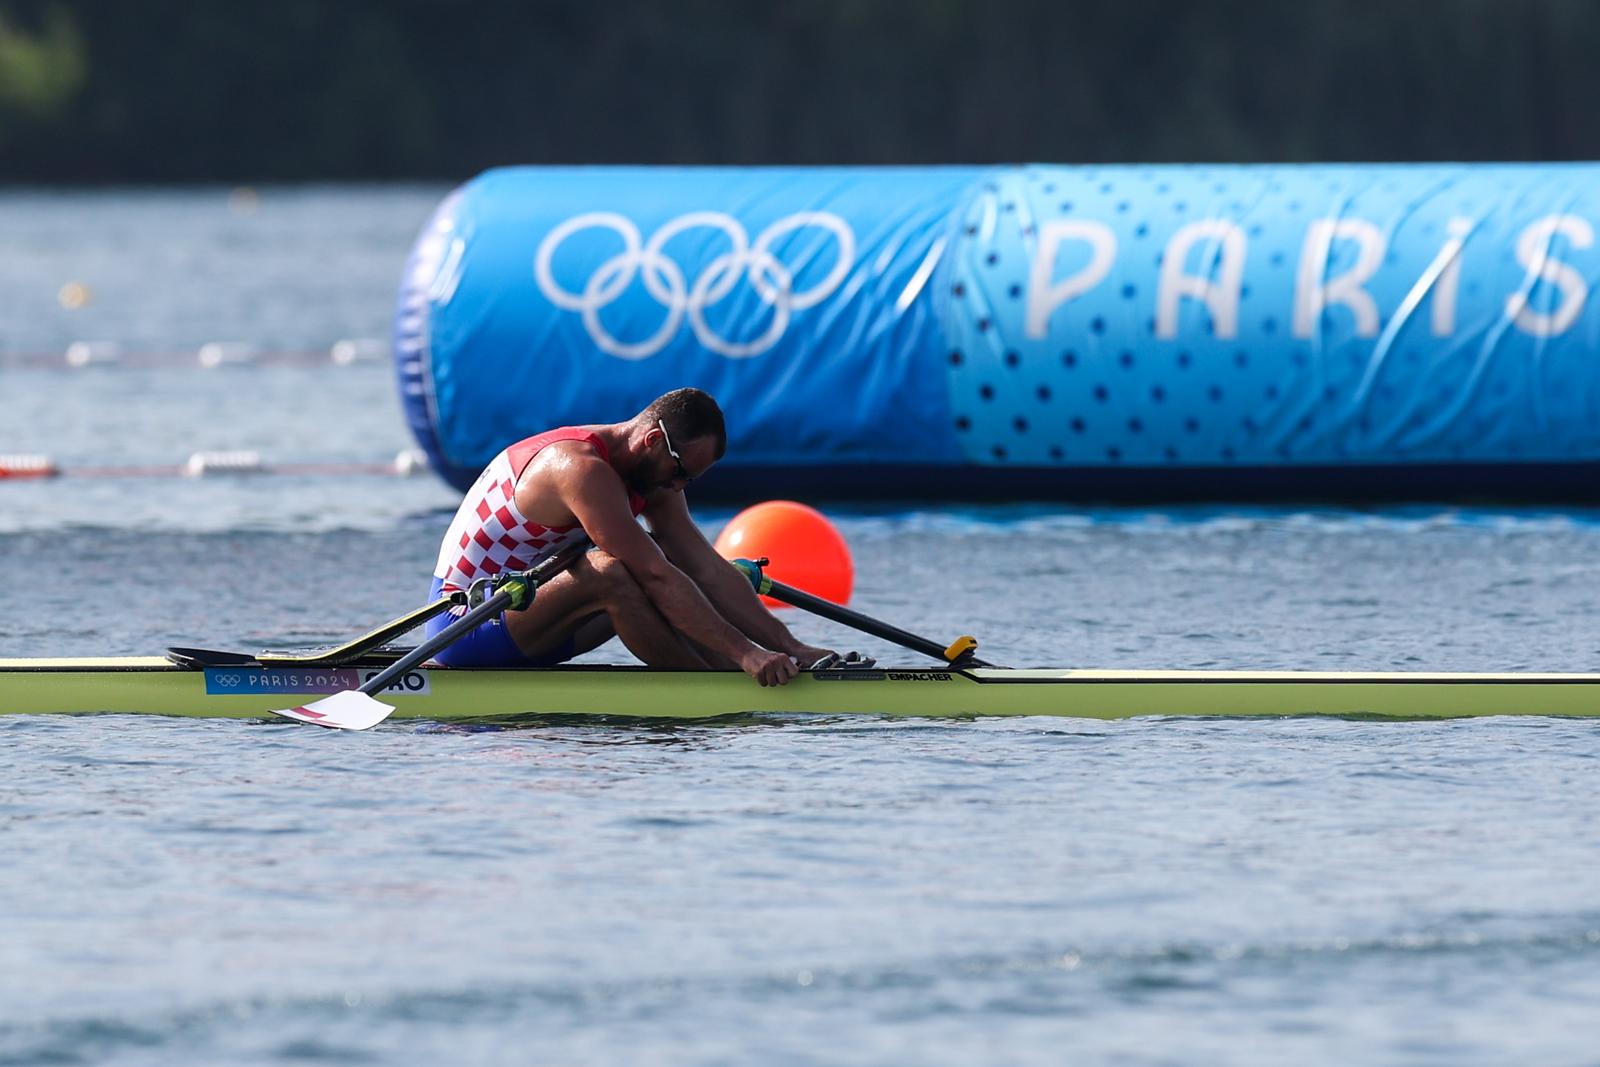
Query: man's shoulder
[
  {"x": 570, "y": 467},
  {"x": 578, "y": 455}
]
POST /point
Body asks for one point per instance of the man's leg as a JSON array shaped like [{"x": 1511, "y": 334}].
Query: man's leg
[{"x": 598, "y": 584}]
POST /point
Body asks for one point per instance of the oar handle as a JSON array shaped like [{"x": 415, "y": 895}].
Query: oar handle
[
  {"x": 513, "y": 591},
  {"x": 958, "y": 652}
]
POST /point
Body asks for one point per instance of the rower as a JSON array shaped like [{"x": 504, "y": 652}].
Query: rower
[{"x": 669, "y": 596}]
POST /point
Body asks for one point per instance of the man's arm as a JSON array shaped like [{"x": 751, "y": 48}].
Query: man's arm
[
  {"x": 598, "y": 499},
  {"x": 724, "y": 584}
]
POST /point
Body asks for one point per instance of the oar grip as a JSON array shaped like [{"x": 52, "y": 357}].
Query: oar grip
[{"x": 751, "y": 568}]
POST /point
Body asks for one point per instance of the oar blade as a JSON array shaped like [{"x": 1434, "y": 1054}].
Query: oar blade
[{"x": 349, "y": 710}]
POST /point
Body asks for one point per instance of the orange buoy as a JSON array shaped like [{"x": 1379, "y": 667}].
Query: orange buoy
[{"x": 807, "y": 551}]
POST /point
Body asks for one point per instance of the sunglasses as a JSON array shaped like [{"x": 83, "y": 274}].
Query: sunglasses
[{"x": 677, "y": 460}]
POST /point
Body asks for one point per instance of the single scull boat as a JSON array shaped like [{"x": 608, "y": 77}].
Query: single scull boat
[
  {"x": 351, "y": 679},
  {"x": 244, "y": 688}
]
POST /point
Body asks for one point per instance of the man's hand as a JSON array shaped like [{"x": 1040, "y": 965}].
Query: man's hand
[
  {"x": 834, "y": 661},
  {"x": 768, "y": 668},
  {"x": 809, "y": 654}
]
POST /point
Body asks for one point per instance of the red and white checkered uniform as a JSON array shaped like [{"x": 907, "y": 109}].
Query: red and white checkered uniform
[{"x": 489, "y": 534}]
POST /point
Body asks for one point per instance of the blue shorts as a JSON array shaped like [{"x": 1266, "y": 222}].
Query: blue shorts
[{"x": 490, "y": 645}]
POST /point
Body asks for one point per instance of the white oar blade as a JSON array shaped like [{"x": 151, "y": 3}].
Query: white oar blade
[{"x": 349, "y": 710}]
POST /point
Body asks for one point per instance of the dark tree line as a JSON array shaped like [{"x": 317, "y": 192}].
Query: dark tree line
[{"x": 259, "y": 90}]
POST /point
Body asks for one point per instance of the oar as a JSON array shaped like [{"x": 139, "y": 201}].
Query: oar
[
  {"x": 957, "y": 653},
  {"x": 357, "y": 647},
  {"x": 356, "y": 709}
]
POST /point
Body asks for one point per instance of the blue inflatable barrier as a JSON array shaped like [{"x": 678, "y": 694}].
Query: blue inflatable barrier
[{"x": 1113, "y": 332}]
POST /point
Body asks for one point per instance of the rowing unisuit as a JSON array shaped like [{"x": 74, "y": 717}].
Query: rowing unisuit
[{"x": 489, "y": 533}]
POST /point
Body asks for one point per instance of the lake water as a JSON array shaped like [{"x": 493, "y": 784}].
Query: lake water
[{"x": 791, "y": 890}]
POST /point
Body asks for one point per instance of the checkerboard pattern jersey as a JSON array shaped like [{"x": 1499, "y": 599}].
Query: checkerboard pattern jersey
[{"x": 490, "y": 535}]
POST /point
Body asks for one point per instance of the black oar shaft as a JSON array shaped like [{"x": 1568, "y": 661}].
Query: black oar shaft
[
  {"x": 488, "y": 609},
  {"x": 865, "y": 623},
  {"x": 501, "y": 600}
]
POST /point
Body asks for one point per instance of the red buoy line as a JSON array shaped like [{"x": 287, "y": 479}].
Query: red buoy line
[
  {"x": 239, "y": 463},
  {"x": 212, "y": 355},
  {"x": 85, "y": 356}
]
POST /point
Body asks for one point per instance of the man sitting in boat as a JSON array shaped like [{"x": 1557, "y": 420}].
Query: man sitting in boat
[{"x": 673, "y": 601}]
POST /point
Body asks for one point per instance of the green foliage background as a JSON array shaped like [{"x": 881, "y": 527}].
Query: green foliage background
[{"x": 254, "y": 90}]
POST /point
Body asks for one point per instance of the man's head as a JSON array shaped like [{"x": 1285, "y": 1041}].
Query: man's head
[{"x": 682, "y": 435}]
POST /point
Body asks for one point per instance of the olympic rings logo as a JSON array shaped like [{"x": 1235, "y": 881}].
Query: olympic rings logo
[
  {"x": 665, "y": 281},
  {"x": 227, "y": 681}
]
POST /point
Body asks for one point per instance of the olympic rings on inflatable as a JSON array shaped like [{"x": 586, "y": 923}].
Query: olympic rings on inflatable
[{"x": 668, "y": 285}]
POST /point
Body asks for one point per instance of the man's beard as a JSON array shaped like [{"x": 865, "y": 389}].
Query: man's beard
[{"x": 640, "y": 480}]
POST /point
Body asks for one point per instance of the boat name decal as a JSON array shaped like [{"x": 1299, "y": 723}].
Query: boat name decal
[
  {"x": 239, "y": 681},
  {"x": 411, "y": 683},
  {"x": 856, "y": 674}
]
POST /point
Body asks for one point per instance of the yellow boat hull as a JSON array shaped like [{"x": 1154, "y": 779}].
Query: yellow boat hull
[{"x": 154, "y": 686}]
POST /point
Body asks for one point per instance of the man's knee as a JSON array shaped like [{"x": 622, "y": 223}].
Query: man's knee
[{"x": 611, "y": 576}]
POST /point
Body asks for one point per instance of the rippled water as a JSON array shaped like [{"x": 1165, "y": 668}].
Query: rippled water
[
  {"x": 791, "y": 890},
  {"x": 800, "y": 891}
]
